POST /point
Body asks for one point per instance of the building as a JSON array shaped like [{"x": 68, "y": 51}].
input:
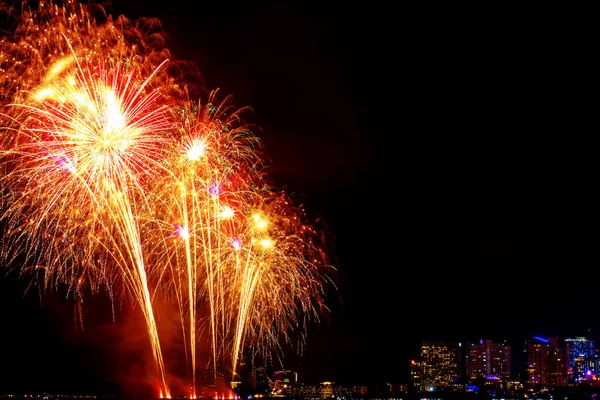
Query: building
[
  {"x": 397, "y": 388},
  {"x": 437, "y": 367},
  {"x": 284, "y": 382},
  {"x": 488, "y": 361},
  {"x": 581, "y": 359},
  {"x": 259, "y": 381},
  {"x": 546, "y": 363}
]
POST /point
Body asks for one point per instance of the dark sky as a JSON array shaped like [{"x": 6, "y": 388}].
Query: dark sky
[{"x": 450, "y": 150}]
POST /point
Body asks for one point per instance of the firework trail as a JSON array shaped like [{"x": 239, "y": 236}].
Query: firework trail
[{"x": 113, "y": 178}]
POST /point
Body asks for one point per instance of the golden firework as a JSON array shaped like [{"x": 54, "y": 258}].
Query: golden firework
[{"x": 113, "y": 178}]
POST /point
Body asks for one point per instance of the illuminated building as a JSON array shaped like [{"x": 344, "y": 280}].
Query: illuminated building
[
  {"x": 284, "y": 383},
  {"x": 326, "y": 390},
  {"x": 397, "y": 388},
  {"x": 437, "y": 367},
  {"x": 581, "y": 356},
  {"x": 285, "y": 376},
  {"x": 488, "y": 361},
  {"x": 546, "y": 363},
  {"x": 259, "y": 380}
]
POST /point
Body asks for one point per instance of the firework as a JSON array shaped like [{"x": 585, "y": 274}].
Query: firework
[
  {"x": 85, "y": 143},
  {"x": 113, "y": 178}
]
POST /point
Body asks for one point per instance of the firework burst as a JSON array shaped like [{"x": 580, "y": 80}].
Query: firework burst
[{"x": 113, "y": 179}]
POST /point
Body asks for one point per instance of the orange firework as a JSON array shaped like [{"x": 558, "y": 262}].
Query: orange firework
[
  {"x": 86, "y": 141},
  {"x": 113, "y": 178},
  {"x": 82, "y": 135}
]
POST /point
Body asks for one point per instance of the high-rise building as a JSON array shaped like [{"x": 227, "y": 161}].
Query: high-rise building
[
  {"x": 546, "y": 363},
  {"x": 438, "y": 365},
  {"x": 488, "y": 361},
  {"x": 581, "y": 355},
  {"x": 259, "y": 380}
]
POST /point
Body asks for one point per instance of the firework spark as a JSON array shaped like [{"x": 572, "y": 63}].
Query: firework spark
[{"x": 112, "y": 177}]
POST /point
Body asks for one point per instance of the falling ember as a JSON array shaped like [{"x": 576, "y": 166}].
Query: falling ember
[{"x": 101, "y": 149}]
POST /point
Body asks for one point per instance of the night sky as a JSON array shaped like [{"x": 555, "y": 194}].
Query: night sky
[{"x": 450, "y": 151}]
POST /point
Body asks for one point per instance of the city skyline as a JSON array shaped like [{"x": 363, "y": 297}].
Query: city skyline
[{"x": 445, "y": 148}]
